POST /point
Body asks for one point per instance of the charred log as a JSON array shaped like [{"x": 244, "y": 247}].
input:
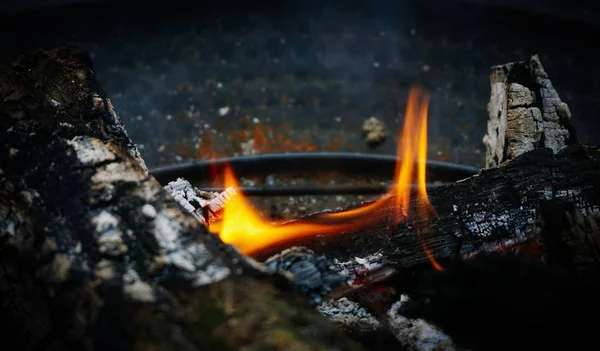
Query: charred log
[
  {"x": 95, "y": 255},
  {"x": 547, "y": 301},
  {"x": 525, "y": 113},
  {"x": 491, "y": 211}
]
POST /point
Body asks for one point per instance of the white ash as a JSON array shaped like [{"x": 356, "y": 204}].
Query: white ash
[
  {"x": 313, "y": 275},
  {"x": 190, "y": 257},
  {"x": 136, "y": 289},
  {"x": 10, "y": 228},
  {"x": 106, "y": 192},
  {"x": 149, "y": 211},
  {"x": 117, "y": 172},
  {"x": 212, "y": 273},
  {"x": 349, "y": 314},
  {"x": 109, "y": 236},
  {"x": 417, "y": 334},
  {"x": 358, "y": 265},
  {"x": 204, "y": 206},
  {"x": 91, "y": 151},
  {"x": 166, "y": 229},
  {"x": 193, "y": 260},
  {"x": 371, "y": 262}
]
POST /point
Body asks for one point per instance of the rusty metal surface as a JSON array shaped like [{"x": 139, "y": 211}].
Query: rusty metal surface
[{"x": 195, "y": 83}]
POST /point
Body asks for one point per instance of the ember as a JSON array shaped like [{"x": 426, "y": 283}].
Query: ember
[{"x": 243, "y": 227}]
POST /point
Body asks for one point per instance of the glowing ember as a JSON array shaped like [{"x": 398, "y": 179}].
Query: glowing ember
[{"x": 243, "y": 227}]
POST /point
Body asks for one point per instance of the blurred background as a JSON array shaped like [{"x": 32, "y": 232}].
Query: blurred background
[{"x": 192, "y": 80}]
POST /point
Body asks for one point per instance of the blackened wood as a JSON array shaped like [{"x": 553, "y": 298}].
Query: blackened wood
[
  {"x": 490, "y": 211},
  {"x": 569, "y": 239},
  {"x": 94, "y": 255},
  {"x": 506, "y": 301}
]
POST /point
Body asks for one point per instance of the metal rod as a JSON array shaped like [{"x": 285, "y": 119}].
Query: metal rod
[
  {"x": 347, "y": 163},
  {"x": 315, "y": 190}
]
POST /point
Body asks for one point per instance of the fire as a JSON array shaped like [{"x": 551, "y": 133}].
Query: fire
[{"x": 244, "y": 228}]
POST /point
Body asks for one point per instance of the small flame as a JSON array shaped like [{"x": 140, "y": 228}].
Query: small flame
[{"x": 244, "y": 228}]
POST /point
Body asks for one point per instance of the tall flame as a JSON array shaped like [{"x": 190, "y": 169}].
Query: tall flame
[{"x": 244, "y": 228}]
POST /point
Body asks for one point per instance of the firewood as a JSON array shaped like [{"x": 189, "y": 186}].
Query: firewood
[
  {"x": 525, "y": 113},
  {"x": 491, "y": 211},
  {"x": 96, "y": 255}
]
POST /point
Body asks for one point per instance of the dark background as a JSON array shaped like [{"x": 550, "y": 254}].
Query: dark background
[{"x": 304, "y": 75}]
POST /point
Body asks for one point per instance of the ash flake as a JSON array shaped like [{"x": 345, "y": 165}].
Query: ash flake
[
  {"x": 348, "y": 314},
  {"x": 417, "y": 333},
  {"x": 109, "y": 236}
]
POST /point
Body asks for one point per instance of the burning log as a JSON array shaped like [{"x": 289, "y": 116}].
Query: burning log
[
  {"x": 492, "y": 211},
  {"x": 96, "y": 255}
]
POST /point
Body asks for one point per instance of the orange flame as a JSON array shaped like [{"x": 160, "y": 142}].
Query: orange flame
[{"x": 244, "y": 228}]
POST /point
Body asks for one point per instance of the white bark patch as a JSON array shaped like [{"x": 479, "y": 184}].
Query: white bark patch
[
  {"x": 148, "y": 189},
  {"x": 211, "y": 274},
  {"x": 149, "y": 211},
  {"x": 91, "y": 151},
  {"x": 417, "y": 334},
  {"x": 166, "y": 230},
  {"x": 109, "y": 236},
  {"x": 193, "y": 258},
  {"x": 136, "y": 289},
  {"x": 115, "y": 172}
]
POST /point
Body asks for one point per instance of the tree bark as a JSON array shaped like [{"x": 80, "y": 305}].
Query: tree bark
[
  {"x": 94, "y": 255},
  {"x": 525, "y": 113}
]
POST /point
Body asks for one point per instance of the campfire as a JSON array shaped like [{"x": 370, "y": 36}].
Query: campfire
[
  {"x": 96, "y": 254},
  {"x": 242, "y": 227}
]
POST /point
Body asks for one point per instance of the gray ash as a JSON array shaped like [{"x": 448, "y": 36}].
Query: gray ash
[{"x": 314, "y": 275}]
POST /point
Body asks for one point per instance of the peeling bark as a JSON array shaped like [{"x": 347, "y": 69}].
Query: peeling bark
[
  {"x": 95, "y": 255},
  {"x": 525, "y": 113}
]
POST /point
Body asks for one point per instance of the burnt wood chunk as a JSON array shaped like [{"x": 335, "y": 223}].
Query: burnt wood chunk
[
  {"x": 95, "y": 255},
  {"x": 525, "y": 113},
  {"x": 494, "y": 210}
]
